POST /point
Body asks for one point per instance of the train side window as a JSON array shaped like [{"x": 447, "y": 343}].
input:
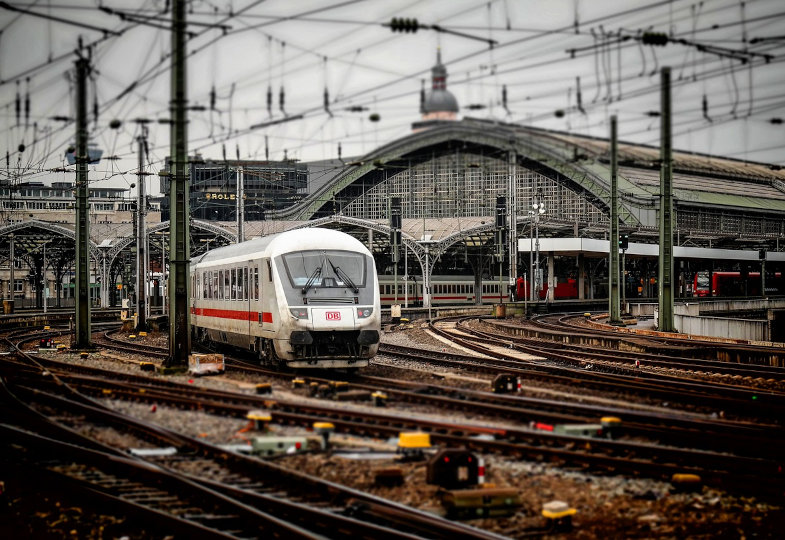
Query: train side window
[
  {"x": 220, "y": 284},
  {"x": 215, "y": 284},
  {"x": 234, "y": 283},
  {"x": 204, "y": 285},
  {"x": 256, "y": 284},
  {"x": 240, "y": 284},
  {"x": 269, "y": 271},
  {"x": 227, "y": 284},
  {"x": 245, "y": 283}
]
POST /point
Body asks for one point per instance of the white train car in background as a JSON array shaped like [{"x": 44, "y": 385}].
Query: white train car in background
[{"x": 307, "y": 298}]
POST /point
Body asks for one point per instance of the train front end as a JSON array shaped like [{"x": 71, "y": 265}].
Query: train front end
[{"x": 332, "y": 305}]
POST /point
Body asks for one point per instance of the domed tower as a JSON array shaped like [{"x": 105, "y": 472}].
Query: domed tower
[{"x": 439, "y": 103}]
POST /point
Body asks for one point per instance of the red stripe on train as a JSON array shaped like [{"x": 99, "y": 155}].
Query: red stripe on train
[{"x": 233, "y": 314}]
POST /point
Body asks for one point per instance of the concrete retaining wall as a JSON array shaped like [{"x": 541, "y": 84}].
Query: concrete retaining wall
[
  {"x": 641, "y": 310},
  {"x": 687, "y": 320}
]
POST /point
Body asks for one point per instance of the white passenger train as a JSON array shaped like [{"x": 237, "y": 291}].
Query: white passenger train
[{"x": 307, "y": 298}]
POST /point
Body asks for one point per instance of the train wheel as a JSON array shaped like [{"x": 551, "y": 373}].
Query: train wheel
[{"x": 267, "y": 353}]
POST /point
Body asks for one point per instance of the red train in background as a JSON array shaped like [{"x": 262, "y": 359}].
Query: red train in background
[
  {"x": 736, "y": 284},
  {"x": 564, "y": 290}
]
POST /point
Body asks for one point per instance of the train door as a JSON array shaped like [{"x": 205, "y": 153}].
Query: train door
[
  {"x": 247, "y": 292},
  {"x": 266, "y": 292}
]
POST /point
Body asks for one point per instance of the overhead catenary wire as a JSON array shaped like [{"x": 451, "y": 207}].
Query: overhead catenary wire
[{"x": 379, "y": 98}]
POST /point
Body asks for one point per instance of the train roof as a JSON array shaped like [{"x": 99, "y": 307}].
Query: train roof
[{"x": 277, "y": 244}]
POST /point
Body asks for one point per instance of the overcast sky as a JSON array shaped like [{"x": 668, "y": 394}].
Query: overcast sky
[{"x": 729, "y": 53}]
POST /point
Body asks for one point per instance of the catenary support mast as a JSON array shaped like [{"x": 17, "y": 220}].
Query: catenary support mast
[{"x": 179, "y": 235}]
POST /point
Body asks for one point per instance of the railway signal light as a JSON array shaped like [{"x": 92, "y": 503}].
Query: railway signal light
[
  {"x": 624, "y": 241},
  {"x": 501, "y": 212},
  {"x": 501, "y": 227},
  {"x": 395, "y": 213},
  {"x": 395, "y": 225}
]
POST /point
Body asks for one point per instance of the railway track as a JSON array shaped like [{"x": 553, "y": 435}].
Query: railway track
[
  {"x": 568, "y": 367},
  {"x": 234, "y": 501},
  {"x": 741, "y": 438},
  {"x": 592, "y": 454},
  {"x": 757, "y": 360}
]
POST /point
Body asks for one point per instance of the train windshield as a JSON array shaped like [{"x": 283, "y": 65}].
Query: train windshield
[
  {"x": 703, "y": 280},
  {"x": 325, "y": 269}
]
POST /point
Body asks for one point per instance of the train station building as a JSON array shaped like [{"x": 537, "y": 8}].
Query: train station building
[{"x": 448, "y": 175}]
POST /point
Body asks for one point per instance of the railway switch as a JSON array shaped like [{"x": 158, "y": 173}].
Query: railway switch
[
  {"x": 482, "y": 502},
  {"x": 261, "y": 419},
  {"x": 453, "y": 468},
  {"x": 558, "y": 515},
  {"x": 412, "y": 445},
  {"x": 578, "y": 430},
  {"x": 352, "y": 395},
  {"x": 505, "y": 383},
  {"x": 339, "y": 386},
  {"x": 379, "y": 399},
  {"x": 271, "y": 446},
  {"x": 389, "y": 477},
  {"x": 610, "y": 425},
  {"x": 264, "y": 388},
  {"x": 324, "y": 429},
  {"x": 205, "y": 364},
  {"x": 686, "y": 482}
]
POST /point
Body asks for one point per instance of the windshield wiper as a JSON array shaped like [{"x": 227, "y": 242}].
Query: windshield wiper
[
  {"x": 341, "y": 274},
  {"x": 312, "y": 279}
]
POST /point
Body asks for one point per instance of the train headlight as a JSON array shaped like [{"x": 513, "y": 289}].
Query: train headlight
[
  {"x": 300, "y": 313},
  {"x": 364, "y": 312}
]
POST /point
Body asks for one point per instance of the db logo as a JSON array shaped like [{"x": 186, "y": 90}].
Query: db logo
[{"x": 333, "y": 316}]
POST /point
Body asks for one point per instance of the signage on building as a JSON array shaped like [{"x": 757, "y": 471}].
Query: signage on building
[{"x": 223, "y": 196}]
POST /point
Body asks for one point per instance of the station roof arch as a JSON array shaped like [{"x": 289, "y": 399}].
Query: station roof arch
[{"x": 579, "y": 162}]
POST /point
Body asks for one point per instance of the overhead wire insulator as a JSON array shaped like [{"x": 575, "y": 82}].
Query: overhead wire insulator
[
  {"x": 270, "y": 101},
  {"x": 400, "y": 24},
  {"x": 579, "y": 97},
  {"x": 27, "y": 102},
  {"x": 223, "y": 151},
  {"x": 706, "y": 109},
  {"x": 266, "y": 150},
  {"x": 281, "y": 98},
  {"x": 212, "y": 98},
  {"x": 237, "y": 151},
  {"x": 18, "y": 104},
  {"x": 422, "y": 96},
  {"x": 339, "y": 152},
  {"x": 327, "y": 102},
  {"x": 504, "y": 99},
  {"x": 326, "y": 92},
  {"x": 658, "y": 39}
]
